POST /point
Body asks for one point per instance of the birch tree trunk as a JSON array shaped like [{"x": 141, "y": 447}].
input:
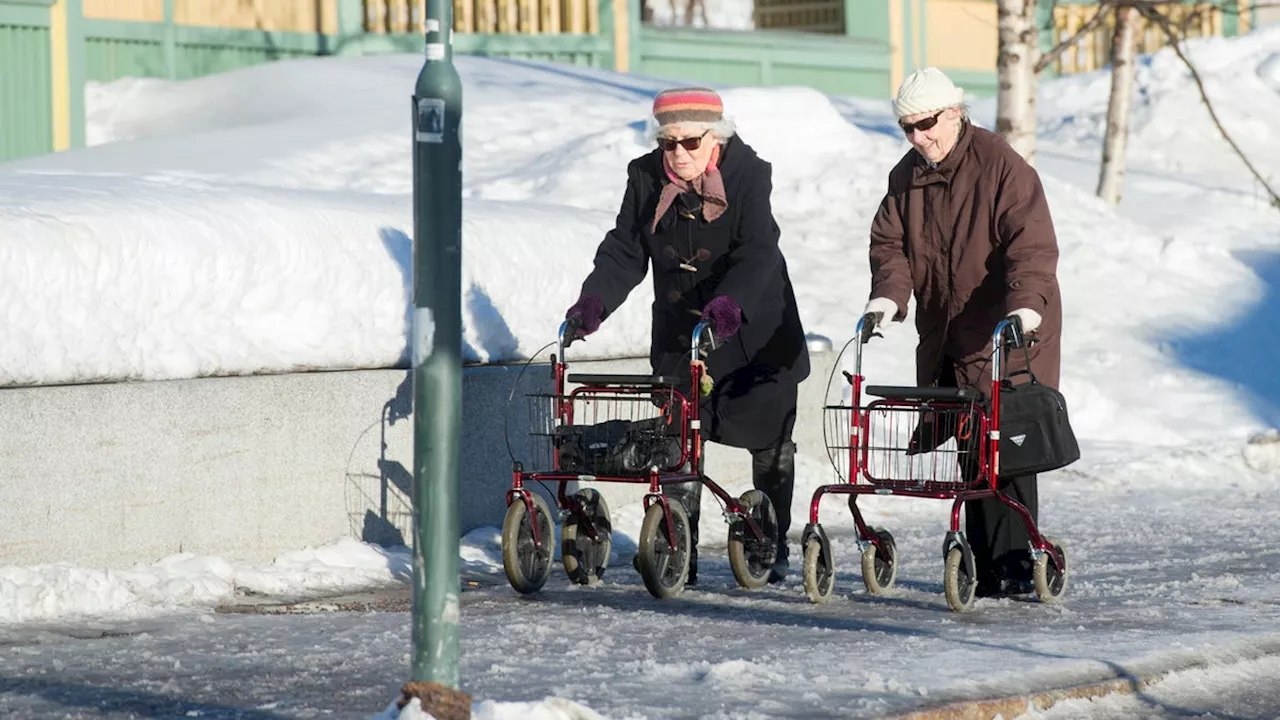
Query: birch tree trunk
[
  {"x": 1016, "y": 67},
  {"x": 1119, "y": 106}
]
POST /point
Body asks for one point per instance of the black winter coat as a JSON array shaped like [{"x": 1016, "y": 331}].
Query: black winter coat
[{"x": 757, "y": 370}]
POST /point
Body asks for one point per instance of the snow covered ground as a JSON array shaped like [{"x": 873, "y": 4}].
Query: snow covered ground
[{"x": 258, "y": 220}]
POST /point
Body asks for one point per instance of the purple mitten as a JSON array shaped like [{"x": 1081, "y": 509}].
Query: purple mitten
[
  {"x": 589, "y": 310},
  {"x": 724, "y": 314}
]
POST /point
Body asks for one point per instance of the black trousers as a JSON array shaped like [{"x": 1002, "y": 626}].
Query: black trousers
[
  {"x": 773, "y": 472},
  {"x": 997, "y": 534}
]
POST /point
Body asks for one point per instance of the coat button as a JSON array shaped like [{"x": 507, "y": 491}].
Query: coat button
[{"x": 675, "y": 296}]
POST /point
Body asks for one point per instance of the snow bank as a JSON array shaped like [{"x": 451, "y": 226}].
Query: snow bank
[
  {"x": 62, "y": 592},
  {"x": 123, "y": 277}
]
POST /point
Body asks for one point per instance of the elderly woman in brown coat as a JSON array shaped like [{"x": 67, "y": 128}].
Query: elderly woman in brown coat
[{"x": 965, "y": 227}]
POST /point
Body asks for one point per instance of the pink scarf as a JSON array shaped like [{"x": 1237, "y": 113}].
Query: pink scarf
[{"x": 709, "y": 186}]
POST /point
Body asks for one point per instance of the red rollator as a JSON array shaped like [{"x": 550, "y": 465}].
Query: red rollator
[
  {"x": 941, "y": 443},
  {"x": 624, "y": 429}
]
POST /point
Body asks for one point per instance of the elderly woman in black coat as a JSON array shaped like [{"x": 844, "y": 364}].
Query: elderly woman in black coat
[{"x": 697, "y": 209}]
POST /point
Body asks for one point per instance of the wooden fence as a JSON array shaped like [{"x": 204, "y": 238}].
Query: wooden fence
[
  {"x": 1093, "y": 51},
  {"x": 488, "y": 16}
]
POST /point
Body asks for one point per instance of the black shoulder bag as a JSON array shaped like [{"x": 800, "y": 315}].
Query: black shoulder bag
[
  {"x": 1035, "y": 433},
  {"x": 626, "y": 448}
]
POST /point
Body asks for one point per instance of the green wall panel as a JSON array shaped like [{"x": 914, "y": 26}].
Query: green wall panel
[
  {"x": 868, "y": 82},
  {"x": 725, "y": 71},
  {"x": 26, "y": 94},
  {"x": 834, "y": 64},
  {"x": 109, "y": 59},
  {"x": 198, "y": 60}
]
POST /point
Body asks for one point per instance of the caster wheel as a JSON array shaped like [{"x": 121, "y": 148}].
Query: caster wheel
[
  {"x": 528, "y": 565},
  {"x": 750, "y": 558},
  {"x": 959, "y": 588},
  {"x": 819, "y": 573},
  {"x": 1049, "y": 581},
  {"x": 664, "y": 568},
  {"x": 880, "y": 565},
  {"x": 585, "y": 559}
]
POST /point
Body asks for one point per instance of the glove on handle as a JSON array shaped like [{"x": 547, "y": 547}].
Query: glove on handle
[{"x": 724, "y": 315}]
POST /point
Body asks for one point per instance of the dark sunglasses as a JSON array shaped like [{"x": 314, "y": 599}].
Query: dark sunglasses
[
  {"x": 690, "y": 143},
  {"x": 921, "y": 125}
]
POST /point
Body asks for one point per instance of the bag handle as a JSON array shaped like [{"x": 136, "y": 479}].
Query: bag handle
[{"x": 1004, "y": 381}]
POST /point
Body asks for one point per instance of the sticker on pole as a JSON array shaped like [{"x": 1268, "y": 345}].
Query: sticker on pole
[{"x": 430, "y": 120}]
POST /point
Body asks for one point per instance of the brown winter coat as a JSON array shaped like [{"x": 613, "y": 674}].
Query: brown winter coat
[{"x": 973, "y": 239}]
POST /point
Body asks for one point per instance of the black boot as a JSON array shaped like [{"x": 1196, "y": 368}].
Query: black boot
[
  {"x": 690, "y": 494},
  {"x": 773, "y": 472}
]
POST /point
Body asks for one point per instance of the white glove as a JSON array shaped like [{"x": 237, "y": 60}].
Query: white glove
[
  {"x": 1030, "y": 319},
  {"x": 887, "y": 309}
]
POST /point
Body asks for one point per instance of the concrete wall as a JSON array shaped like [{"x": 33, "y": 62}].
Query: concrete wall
[{"x": 109, "y": 475}]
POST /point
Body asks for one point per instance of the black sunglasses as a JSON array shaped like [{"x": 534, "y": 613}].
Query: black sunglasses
[
  {"x": 921, "y": 125},
  {"x": 689, "y": 143}
]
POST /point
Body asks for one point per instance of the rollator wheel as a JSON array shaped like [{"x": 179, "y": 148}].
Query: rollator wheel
[
  {"x": 750, "y": 558},
  {"x": 960, "y": 589},
  {"x": 1051, "y": 584},
  {"x": 528, "y": 565},
  {"x": 585, "y": 559},
  {"x": 880, "y": 565},
  {"x": 663, "y": 568},
  {"x": 819, "y": 573}
]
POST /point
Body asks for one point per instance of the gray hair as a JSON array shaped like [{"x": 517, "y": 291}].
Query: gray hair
[{"x": 724, "y": 129}]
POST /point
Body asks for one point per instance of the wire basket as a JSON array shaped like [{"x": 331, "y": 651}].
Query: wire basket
[
  {"x": 608, "y": 433},
  {"x": 908, "y": 447}
]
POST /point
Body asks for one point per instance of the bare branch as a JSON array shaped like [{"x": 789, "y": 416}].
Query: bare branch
[
  {"x": 1156, "y": 17},
  {"x": 1049, "y": 57}
]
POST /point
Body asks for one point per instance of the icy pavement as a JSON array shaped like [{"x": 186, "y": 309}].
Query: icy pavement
[{"x": 1174, "y": 564}]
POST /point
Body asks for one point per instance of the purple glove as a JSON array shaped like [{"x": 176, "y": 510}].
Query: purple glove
[
  {"x": 724, "y": 315},
  {"x": 589, "y": 311}
]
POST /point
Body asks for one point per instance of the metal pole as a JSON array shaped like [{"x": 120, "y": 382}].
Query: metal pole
[{"x": 437, "y": 352}]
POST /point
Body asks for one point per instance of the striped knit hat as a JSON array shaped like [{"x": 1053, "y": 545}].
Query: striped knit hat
[{"x": 687, "y": 104}]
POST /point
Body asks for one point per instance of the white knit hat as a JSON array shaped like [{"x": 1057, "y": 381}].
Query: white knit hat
[{"x": 926, "y": 90}]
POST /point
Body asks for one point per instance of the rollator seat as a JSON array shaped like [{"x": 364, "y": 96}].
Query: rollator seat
[
  {"x": 625, "y": 380},
  {"x": 922, "y": 394}
]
